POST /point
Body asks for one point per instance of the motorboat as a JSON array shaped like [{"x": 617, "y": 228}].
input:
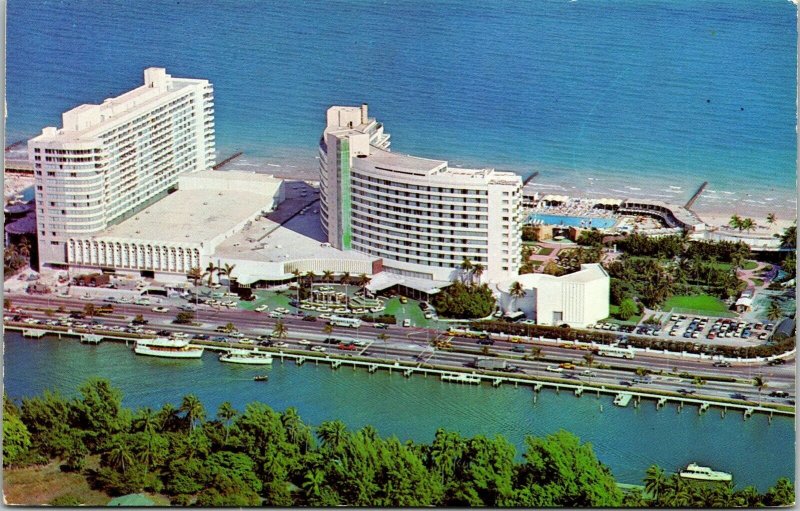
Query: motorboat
[
  {"x": 694, "y": 471},
  {"x": 250, "y": 357},
  {"x": 167, "y": 348},
  {"x": 261, "y": 377}
]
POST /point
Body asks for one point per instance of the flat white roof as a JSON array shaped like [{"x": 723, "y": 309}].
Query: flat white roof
[
  {"x": 385, "y": 280},
  {"x": 299, "y": 238},
  {"x": 587, "y": 273},
  {"x": 190, "y": 216}
]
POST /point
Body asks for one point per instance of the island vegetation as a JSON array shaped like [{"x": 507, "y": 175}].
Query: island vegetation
[{"x": 260, "y": 456}]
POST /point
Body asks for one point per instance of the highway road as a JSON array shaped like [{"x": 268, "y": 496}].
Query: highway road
[{"x": 414, "y": 344}]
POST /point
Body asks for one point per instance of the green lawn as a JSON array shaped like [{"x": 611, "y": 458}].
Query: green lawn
[
  {"x": 545, "y": 251},
  {"x": 270, "y": 298},
  {"x": 757, "y": 282},
  {"x": 750, "y": 265},
  {"x": 614, "y": 309},
  {"x": 408, "y": 310},
  {"x": 722, "y": 266},
  {"x": 707, "y": 303}
]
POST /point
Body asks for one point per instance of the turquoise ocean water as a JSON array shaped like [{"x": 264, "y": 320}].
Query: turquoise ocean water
[
  {"x": 628, "y": 440},
  {"x": 639, "y": 98}
]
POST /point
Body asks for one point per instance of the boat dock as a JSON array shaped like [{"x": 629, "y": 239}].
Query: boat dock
[
  {"x": 696, "y": 195},
  {"x": 449, "y": 374},
  {"x": 33, "y": 332}
]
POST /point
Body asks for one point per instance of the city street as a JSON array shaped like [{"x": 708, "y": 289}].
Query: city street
[{"x": 414, "y": 345}]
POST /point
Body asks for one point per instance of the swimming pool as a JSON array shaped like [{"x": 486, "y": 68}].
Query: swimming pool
[{"x": 572, "y": 221}]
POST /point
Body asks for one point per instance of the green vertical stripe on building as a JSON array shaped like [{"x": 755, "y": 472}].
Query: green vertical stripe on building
[{"x": 344, "y": 193}]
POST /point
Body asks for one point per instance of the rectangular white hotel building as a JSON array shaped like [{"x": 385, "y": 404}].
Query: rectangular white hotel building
[
  {"x": 111, "y": 160},
  {"x": 419, "y": 215}
]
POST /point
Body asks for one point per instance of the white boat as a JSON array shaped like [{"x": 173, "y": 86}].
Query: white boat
[
  {"x": 251, "y": 357},
  {"x": 694, "y": 471},
  {"x": 167, "y": 348}
]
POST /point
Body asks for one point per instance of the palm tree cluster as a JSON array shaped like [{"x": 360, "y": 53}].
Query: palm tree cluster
[
  {"x": 742, "y": 224},
  {"x": 674, "y": 491},
  {"x": 471, "y": 272},
  {"x": 260, "y": 457},
  {"x": 16, "y": 256},
  {"x": 788, "y": 237}
]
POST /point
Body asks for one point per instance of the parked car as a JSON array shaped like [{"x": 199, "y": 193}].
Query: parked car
[{"x": 160, "y": 309}]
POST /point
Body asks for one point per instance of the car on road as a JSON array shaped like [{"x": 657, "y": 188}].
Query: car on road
[
  {"x": 776, "y": 362},
  {"x": 309, "y": 317},
  {"x": 739, "y": 395},
  {"x": 318, "y": 348},
  {"x": 554, "y": 369},
  {"x": 721, "y": 363},
  {"x": 686, "y": 392},
  {"x": 567, "y": 365},
  {"x": 486, "y": 342},
  {"x": 246, "y": 341},
  {"x": 518, "y": 349},
  {"x": 265, "y": 343},
  {"x": 626, "y": 383},
  {"x": 280, "y": 344},
  {"x": 588, "y": 372},
  {"x": 304, "y": 342},
  {"x": 406, "y": 322},
  {"x": 160, "y": 309},
  {"x": 347, "y": 346},
  {"x": 261, "y": 308},
  {"x": 200, "y": 337},
  {"x": 220, "y": 339},
  {"x": 779, "y": 393},
  {"x": 383, "y": 326}
]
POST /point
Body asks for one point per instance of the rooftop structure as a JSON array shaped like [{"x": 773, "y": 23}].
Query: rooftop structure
[
  {"x": 184, "y": 229},
  {"x": 577, "y": 299},
  {"x": 422, "y": 217},
  {"x": 109, "y": 161}
]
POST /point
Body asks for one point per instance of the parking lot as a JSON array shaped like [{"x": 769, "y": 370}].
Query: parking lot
[{"x": 681, "y": 327}]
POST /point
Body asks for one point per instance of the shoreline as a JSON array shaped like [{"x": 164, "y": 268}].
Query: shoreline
[{"x": 713, "y": 206}]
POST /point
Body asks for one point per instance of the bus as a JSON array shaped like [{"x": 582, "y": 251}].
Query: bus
[
  {"x": 342, "y": 321},
  {"x": 615, "y": 351}
]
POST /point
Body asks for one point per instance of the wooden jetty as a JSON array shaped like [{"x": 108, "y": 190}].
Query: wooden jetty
[
  {"x": 696, "y": 195},
  {"x": 227, "y": 160}
]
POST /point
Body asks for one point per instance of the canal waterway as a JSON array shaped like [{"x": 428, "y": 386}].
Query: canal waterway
[{"x": 628, "y": 440}]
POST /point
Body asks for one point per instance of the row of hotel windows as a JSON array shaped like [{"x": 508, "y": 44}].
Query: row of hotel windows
[
  {"x": 413, "y": 219},
  {"x": 435, "y": 202},
  {"x": 402, "y": 232},
  {"x": 450, "y": 261},
  {"x": 421, "y": 188},
  {"x": 177, "y": 104},
  {"x": 419, "y": 241}
]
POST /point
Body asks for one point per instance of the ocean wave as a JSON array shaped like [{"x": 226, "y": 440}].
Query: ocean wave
[
  {"x": 633, "y": 188},
  {"x": 675, "y": 187},
  {"x": 273, "y": 165}
]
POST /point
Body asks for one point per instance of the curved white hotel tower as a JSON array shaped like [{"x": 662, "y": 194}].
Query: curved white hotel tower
[
  {"x": 419, "y": 215},
  {"x": 111, "y": 160}
]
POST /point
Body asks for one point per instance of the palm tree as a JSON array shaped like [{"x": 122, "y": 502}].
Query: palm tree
[
  {"x": 89, "y": 310},
  {"x": 536, "y": 352},
  {"x": 211, "y": 269},
  {"x": 771, "y": 218},
  {"x": 748, "y": 224},
  {"x": 466, "y": 268},
  {"x": 383, "y": 337},
  {"x": 119, "y": 455},
  {"x": 313, "y": 481},
  {"x": 280, "y": 331},
  {"x": 230, "y": 327},
  {"x": 760, "y": 383},
  {"x": 225, "y": 413},
  {"x": 478, "y": 270},
  {"x": 327, "y": 276},
  {"x": 363, "y": 282},
  {"x": 310, "y": 275},
  {"x": 194, "y": 410},
  {"x": 655, "y": 481},
  {"x": 327, "y": 329},
  {"x": 515, "y": 291},
  {"x": 589, "y": 358},
  {"x": 145, "y": 420},
  {"x": 332, "y": 434},
  {"x": 297, "y": 274},
  {"x": 788, "y": 237},
  {"x": 226, "y": 270},
  {"x": 735, "y": 222},
  {"x": 774, "y": 311},
  {"x": 24, "y": 247}
]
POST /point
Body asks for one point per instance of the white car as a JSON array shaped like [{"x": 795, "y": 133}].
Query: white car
[
  {"x": 160, "y": 309},
  {"x": 555, "y": 369},
  {"x": 261, "y": 308},
  {"x": 304, "y": 342},
  {"x": 406, "y": 322},
  {"x": 318, "y": 348},
  {"x": 247, "y": 341},
  {"x": 281, "y": 345},
  {"x": 325, "y": 316}
]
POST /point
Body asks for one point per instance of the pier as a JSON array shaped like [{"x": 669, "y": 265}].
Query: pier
[
  {"x": 33, "y": 332},
  {"x": 696, "y": 195},
  {"x": 622, "y": 397},
  {"x": 227, "y": 160}
]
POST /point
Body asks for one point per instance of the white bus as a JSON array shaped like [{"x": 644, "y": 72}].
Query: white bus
[
  {"x": 615, "y": 351},
  {"x": 342, "y": 321}
]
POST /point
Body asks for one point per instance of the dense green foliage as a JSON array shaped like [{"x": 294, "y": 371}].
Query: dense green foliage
[
  {"x": 590, "y": 237},
  {"x": 264, "y": 457},
  {"x": 464, "y": 301},
  {"x": 627, "y": 309},
  {"x": 16, "y": 256}
]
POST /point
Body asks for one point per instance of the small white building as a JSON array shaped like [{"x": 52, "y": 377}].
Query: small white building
[{"x": 577, "y": 299}]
